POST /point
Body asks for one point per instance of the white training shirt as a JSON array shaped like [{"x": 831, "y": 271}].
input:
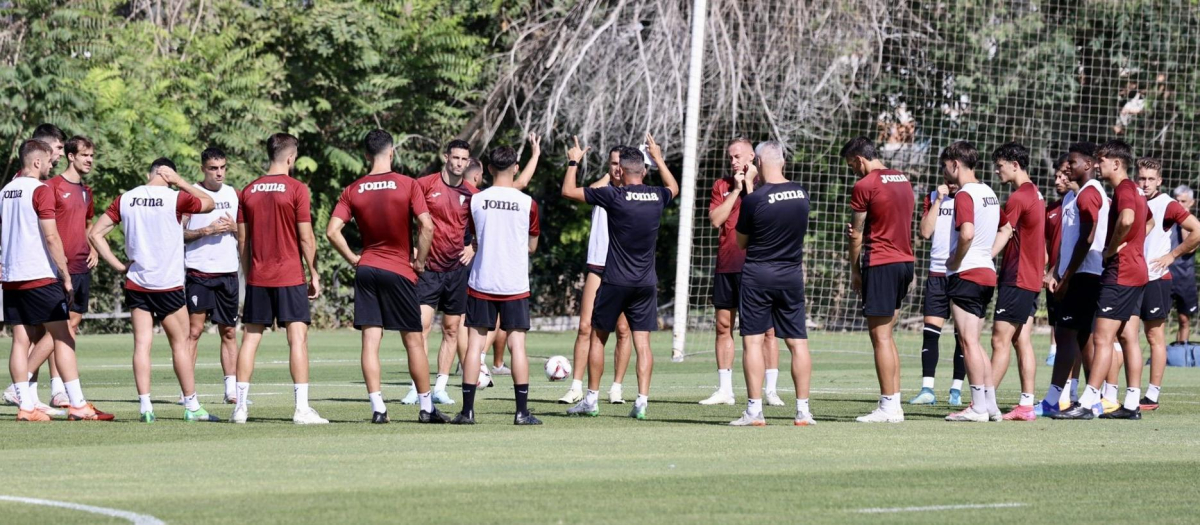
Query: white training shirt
[
  {"x": 986, "y": 221},
  {"x": 1158, "y": 241},
  {"x": 597, "y": 253},
  {"x": 25, "y": 255},
  {"x": 939, "y": 252},
  {"x": 504, "y": 219},
  {"x": 214, "y": 253},
  {"x": 1094, "y": 262},
  {"x": 150, "y": 217}
]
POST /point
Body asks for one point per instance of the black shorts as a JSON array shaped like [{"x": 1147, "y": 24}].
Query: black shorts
[
  {"x": 936, "y": 303},
  {"x": 445, "y": 291},
  {"x": 638, "y": 303},
  {"x": 727, "y": 291},
  {"x": 1077, "y": 309},
  {"x": 268, "y": 305},
  {"x": 81, "y": 292},
  {"x": 159, "y": 304},
  {"x": 767, "y": 308},
  {"x": 36, "y": 306},
  {"x": 514, "y": 313},
  {"x": 972, "y": 297},
  {"x": 1015, "y": 305},
  {"x": 1183, "y": 294},
  {"x": 1119, "y": 302},
  {"x": 884, "y": 288},
  {"x": 216, "y": 296},
  {"x": 1051, "y": 307},
  {"x": 386, "y": 299},
  {"x": 1156, "y": 300}
]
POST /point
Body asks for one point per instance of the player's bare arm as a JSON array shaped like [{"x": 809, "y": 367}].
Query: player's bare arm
[
  {"x": 1192, "y": 226},
  {"x": 854, "y": 230},
  {"x": 96, "y": 237},
  {"x": 535, "y": 152},
  {"x": 743, "y": 240},
  {"x": 602, "y": 182},
  {"x": 1003, "y": 235},
  {"x": 721, "y": 213},
  {"x": 243, "y": 237},
  {"x": 308, "y": 248},
  {"x": 1087, "y": 230},
  {"x": 222, "y": 225},
  {"x": 574, "y": 155},
  {"x": 172, "y": 178},
  {"x": 333, "y": 232},
  {"x": 533, "y": 242},
  {"x": 55, "y": 246},
  {"x": 424, "y": 241},
  {"x": 929, "y": 220},
  {"x": 966, "y": 234},
  {"x": 93, "y": 258},
  {"x": 1123, "y": 224},
  {"x": 656, "y": 154}
]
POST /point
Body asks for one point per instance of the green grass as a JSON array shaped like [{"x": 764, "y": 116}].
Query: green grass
[{"x": 684, "y": 465}]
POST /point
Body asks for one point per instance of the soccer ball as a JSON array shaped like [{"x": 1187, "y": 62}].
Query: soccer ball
[
  {"x": 485, "y": 377},
  {"x": 558, "y": 368}
]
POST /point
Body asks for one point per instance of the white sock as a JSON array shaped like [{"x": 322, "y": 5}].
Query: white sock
[
  {"x": 56, "y": 386},
  {"x": 33, "y": 392},
  {"x": 426, "y": 400},
  {"x": 75, "y": 393},
  {"x": 956, "y": 385},
  {"x": 377, "y": 402},
  {"x": 990, "y": 392},
  {"x": 1026, "y": 399},
  {"x": 1110, "y": 392},
  {"x": 1090, "y": 397},
  {"x": 1073, "y": 388},
  {"x": 301, "y": 396},
  {"x": 979, "y": 401},
  {"x": 576, "y": 384},
  {"x": 1053, "y": 349},
  {"x": 772, "y": 379},
  {"x": 144, "y": 404},
  {"x": 615, "y": 386},
  {"x": 1133, "y": 398},
  {"x": 754, "y": 407},
  {"x": 1053, "y": 395},
  {"x": 802, "y": 406},
  {"x": 24, "y": 397},
  {"x": 231, "y": 386},
  {"x": 440, "y": 384},
  {"x": 927, "y": 382},
  {"x": 725, "y": 381},
  {"x": 641, "y": 401},
  {"x": 1152, "y": 393},
  {"x": 890, "y": 404},
  {"x": 243, "y": 395},
  {"x": 191, "y": 403},
  {"x": 592, "y": 397}
]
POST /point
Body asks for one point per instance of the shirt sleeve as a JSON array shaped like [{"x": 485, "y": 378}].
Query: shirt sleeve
[
  {"x": 241, "y": 206},
  {"x": 303, "y": 204},
  {"x": 964, "y": 209},
  {"x": 860, "y": 196},
  {"x": 416, "y": 201},
  {"x": 114, "y": 210},
  {"x": 926, "y": 205},
  {"x": 1175, "y": 214},
  {"x": 1089, "y": 203},
  {"x": 602, "y": 197},
  {"x": 667, "y": 196},
  {"x": 745, "y": 222},
  {"x": 342, "y": 209},
  {"x": 535, "y": 225},
  {"x": 186, "y": 203},
  {"x": 717, "y": 197},
  {"x": 1126, "y": 202},
  {"x": 43, "y": 202}
]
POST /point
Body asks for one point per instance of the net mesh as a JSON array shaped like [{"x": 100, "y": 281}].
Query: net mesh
[{"x": 915, "y": 77}]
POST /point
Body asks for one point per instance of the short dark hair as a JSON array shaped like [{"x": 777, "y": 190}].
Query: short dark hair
[
  {"x": 961, "y": 151},
  {"x": 860, "y": 147},
  {"x": 48, "y": 131},
  {"x": 632, "y": 159},
  {"x": 1117, "y": 149},
  {"x": 1150, "y": 163},
  {"x": 1061, "y": 159},
  {"x": 211, "y": 153},
  {"x": 457, "y": 144},
  {"x": 161, "y": 161},
  {"x": 1087, "y": 149},
  {"x": 74, "y": 144},
  {"x": 31, "y": 146},
  {"x": 502, "y": 158},
  {"x": 377, "y": 142},
  {"x": 280, "y": 144},
  {"x": 474, "y": 164},
  {"x": 1013, "y": 152},
  {"x": 615, "y": 149}
]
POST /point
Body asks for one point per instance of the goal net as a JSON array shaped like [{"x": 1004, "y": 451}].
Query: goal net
[{"x": 916, "y": 76}]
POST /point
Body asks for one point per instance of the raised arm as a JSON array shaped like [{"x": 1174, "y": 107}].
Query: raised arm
[
  {"x": 173, "y": 178},
  {"x": 569, "y": 188},
  {"x": 535, "y": 152},
  {"x": 602, "y": 182},
  {"x": 722, "y": 211},
  {"x": 929, "y": 220},
  {"x": 656, "y": 154}
]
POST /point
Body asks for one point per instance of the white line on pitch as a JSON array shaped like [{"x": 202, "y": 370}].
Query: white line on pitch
[
  {"x": 137, "y": 519},
  {"x": 933, "y": 508}
]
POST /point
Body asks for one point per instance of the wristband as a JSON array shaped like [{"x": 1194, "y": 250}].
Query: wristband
[{"x": 572, "y": 163}]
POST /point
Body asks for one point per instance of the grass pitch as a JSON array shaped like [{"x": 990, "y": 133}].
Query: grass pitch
[{"x": 683, "y": 465}]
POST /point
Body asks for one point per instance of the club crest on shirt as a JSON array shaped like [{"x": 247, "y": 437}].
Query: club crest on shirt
[
  {"x": 892, "y": 178},
  {"x": 647, "y": 197},
  {"x": 375, "y": 186},
  {"x": 268, "y": 186}
]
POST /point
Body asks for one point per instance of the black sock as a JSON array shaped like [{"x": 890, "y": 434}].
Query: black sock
[
  {"x": 468, "y": 399},
  {"x": 522, "y": 398},
  {"x": 960, "y": 364},
  {"x": 929, "y": 350}
]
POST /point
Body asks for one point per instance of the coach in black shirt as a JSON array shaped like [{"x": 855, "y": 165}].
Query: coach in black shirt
[{"x": 771, "y": 228}]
